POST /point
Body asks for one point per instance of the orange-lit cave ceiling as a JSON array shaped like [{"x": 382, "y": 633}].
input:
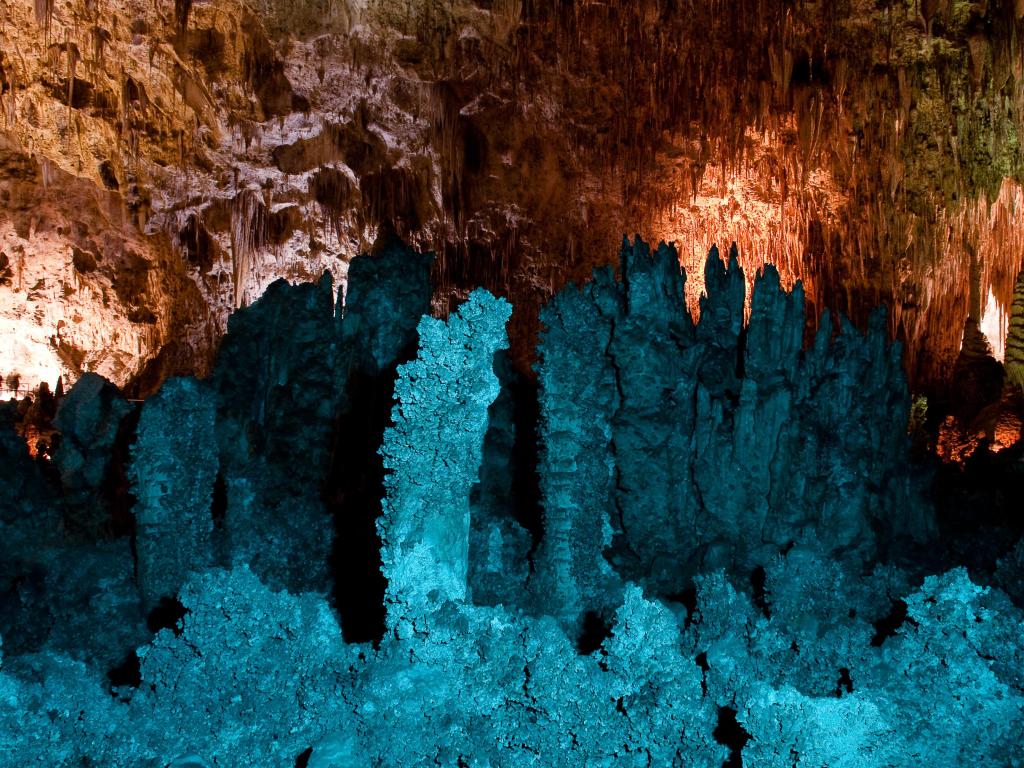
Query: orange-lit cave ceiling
[{"x": 162, "y": 162}]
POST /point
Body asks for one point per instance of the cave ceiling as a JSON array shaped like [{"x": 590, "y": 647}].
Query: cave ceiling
[{"x": 161, "y": 163}]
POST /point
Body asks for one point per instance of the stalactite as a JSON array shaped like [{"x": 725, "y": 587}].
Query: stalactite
[
  {"x": 333, "y": 192},
  {"x": 820, "y": 91},
  {"x": 860, "y": 172},
  {"x": 100, "y": 39},
  {"x": 72, "y": 52},
  {"x": 182, "y": 9},
  {"x": 8, "y": 92},
  {"x": 44, "y": 13},
  {"x": 248, "y": 237}
]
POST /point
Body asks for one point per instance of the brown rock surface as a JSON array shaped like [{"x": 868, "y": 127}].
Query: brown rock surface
[{"x": 161, "y": 163}]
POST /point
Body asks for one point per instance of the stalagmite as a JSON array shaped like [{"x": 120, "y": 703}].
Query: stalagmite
[
  {"x": 442, "y": 398},
  {"x": 689, "y": 527},
  {"x": 576, "y": 465},
  {"x": 88, "y": 418},
  {"x": 278, "y": 389},
  {"x": 719, "y": 428},
  {"x": 738, "y": 559}
]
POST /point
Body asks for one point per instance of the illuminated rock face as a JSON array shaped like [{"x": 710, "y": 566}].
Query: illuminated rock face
[
  {"x": 442, "y": 399},
  {"x": 161, "y": 168},
  {"x": 81, "y": 287}
]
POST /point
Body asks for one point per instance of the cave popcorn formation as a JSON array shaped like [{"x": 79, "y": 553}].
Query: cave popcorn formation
[{"x": 695, "y": 605}]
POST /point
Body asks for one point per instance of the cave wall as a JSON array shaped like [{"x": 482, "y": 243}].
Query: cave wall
[{"x": 164, "y": 164}]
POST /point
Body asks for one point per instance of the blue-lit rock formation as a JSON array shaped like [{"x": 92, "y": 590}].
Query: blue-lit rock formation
[
  {"x": 332, "y": 563},
  {"x": 577, "y": 466},
  {"x": 88, "y": 419},
  {"x": 433, "y": 454},
  {"x": 173, "y": 472},
  {"x": 386, "y": 296},
  {"x": 671, "y": 449},
  {"x": 278, "y": 390},
  {"x": 289, "y": 365},
  {"x": 502, "y": 503},
  {"x": 66, "y": 585},
  {"x": 24, "y": 493}
]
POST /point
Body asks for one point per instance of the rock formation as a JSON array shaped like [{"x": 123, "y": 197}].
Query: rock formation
[
  {"x": 662, "y": 439},
  {"x": 161, "y": 166},
  {"x": 433, "y": 454},
  {"x": 735, "y": 562},
  {"x": 278, "y": 388},
  {"x": 174, "y": 467},
  {"x": 88, "y": 419}
]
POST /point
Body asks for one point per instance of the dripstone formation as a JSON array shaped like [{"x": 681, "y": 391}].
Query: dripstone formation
[
  {"x": 333, "y": 561},
  {"x": 683, "y": 435},
  {"x": 163, "y": 163}
]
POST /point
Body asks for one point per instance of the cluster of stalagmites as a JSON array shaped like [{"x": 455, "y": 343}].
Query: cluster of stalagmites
[{"x": 332, "y": 553}]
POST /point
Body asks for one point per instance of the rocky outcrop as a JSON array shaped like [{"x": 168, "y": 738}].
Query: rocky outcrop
[
  {"x": 387, "y": 294},
  {"x": 279, "y": 383},
  {"x": 576, "y": 464},
  {"x": 25, "y": 494},
  {"x": 89, "y": 419},
  {"x": 86, "y": 289},
  {"x": 983, "y": 407},
  {"x": 247, "y": 466},
  {"x": 64, "y": 586}
]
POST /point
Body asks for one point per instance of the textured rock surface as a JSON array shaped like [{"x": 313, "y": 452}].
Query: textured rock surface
[
  {"x": 162, "y": 165},
  {"x": 576, "y": 466},
  {"x": 26, "y": 494},
  {"x": 826, "y": 652},
  {"x": 88, "y": 419},
  {"x": 1015, "y": 336},
  {"x": 174, "y": 467},
  {"x": 278, "y": 392},
  {"x": 387, "y": 295},
  {"x": 662, "y": 440},
  {"x": 442, "y": 398},
  {"x": 502, "y": 504}
]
